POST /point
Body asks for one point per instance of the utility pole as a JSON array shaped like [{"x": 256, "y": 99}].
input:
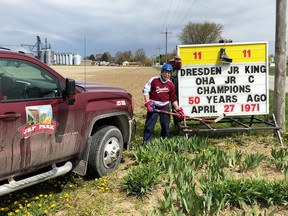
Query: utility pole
[
  {"x": 166, "y": 37},
  {"x": 280, "y": 64},
  {"x": 159, "y": 48}
]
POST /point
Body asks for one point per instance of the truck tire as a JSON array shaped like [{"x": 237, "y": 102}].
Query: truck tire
[{"x": 105, "y": 151}]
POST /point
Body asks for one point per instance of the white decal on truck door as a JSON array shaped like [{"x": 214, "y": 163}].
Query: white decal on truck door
[{"x": 39, "y": 119}]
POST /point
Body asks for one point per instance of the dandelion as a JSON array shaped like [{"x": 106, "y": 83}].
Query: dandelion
[
  {"x": 5, "y": 209},
  {"x": 40, "y": 205},
  {"x": 28, "y": 205},
  {"x": 53, "y": 205},
  {"x": 69, "y": 206},
  {"x": 46, "y": 211}
]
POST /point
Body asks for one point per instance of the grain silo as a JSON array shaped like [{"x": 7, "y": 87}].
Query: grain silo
[{"x": 77, "y": 59}]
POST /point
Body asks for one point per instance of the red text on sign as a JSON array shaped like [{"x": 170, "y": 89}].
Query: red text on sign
[{"x": 194, "y": 100}]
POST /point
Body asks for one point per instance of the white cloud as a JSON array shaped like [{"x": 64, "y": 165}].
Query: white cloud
[{"x": 120, "y": 25}]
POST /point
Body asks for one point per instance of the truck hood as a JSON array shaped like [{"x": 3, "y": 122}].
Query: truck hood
[{"x": 96, "y": 87}]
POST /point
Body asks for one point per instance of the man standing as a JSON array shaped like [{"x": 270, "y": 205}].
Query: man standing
[{"x": 159, "y": 93}]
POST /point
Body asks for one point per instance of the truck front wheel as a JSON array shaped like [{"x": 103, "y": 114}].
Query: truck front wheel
[{"x": 105, "y": 151}]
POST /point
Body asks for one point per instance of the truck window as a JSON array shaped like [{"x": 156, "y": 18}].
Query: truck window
[{"x": 21, "y": 80}]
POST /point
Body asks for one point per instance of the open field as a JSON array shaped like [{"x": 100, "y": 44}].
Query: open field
[
  {"x": 74, "y": 195},
  {"x": 131, "y": 79}
]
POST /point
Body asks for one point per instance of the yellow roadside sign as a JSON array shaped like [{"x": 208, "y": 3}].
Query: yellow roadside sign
[{"x": 230, "y": 78}]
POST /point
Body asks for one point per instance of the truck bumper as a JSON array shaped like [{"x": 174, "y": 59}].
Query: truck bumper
[{"x": 132, "y": 128}]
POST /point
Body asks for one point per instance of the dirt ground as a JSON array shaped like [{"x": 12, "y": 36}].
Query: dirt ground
[{"x": 132, "y": 79}]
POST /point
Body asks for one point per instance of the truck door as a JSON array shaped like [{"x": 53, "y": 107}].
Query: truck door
[{"x": 37, "y": 127}]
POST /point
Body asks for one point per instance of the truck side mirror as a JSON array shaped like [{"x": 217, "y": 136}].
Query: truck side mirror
[{"x": 70, "y": 91}]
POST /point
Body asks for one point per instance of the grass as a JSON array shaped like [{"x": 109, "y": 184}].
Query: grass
[
  {"x": 171, "y": 183},
  {"x": 272, "y": 71}
]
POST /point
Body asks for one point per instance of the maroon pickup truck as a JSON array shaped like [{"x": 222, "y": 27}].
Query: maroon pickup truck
[{"x": 51, "y": 125}]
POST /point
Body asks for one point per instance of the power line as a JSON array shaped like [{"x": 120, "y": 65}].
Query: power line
[
  {"x": 177, "y": 12},
  {"x": 166, "y": 41},
  {"x": 165, "y": 21},
  {"x": 184, "y": 14}
]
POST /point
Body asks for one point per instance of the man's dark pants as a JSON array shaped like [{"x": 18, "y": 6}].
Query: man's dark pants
[{"x": 151, "y": 119}]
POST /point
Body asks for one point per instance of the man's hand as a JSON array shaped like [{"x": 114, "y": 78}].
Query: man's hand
[
  {"x": 176, "y": 63},
  {"x": 150, "y": 105},
  {"x": 180, "y": 113}
]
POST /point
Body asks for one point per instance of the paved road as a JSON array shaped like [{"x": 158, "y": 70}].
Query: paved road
[{"x": 271, "y": 83}]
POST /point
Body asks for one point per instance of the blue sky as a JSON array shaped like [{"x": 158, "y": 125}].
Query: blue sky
[{"x": 97, "y": 26}]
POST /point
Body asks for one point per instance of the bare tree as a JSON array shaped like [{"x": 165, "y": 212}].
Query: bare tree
[
  {"x": 140, "y": 56},
  {"x": 201, "y": 33}
]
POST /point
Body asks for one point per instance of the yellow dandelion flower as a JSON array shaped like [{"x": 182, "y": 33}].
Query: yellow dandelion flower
[
  {"x": 53, "y": 205},
  {"x": 10, "y": 213},
  {"x": 46, "y": 211},
  {"x": 39, "y": 205},
  {"x": 37, "y": 197},
  {"x": 28, "y": 205},
  {"x": 5, "y": 209},
  {"x": 41, "y": 195}
]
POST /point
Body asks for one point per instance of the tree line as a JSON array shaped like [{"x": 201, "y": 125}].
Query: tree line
[{"x": 192, "y": 33}]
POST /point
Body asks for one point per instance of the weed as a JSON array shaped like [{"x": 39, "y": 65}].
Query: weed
[
  {"x": 141, "y": 179},
  {"x": 251, "y": 161}
]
